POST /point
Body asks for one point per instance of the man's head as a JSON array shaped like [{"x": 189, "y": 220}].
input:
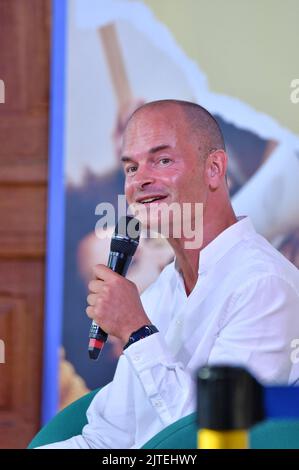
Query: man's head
[{"x": 174, "y": 151}]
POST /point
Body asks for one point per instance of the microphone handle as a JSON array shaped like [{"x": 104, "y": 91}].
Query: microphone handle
[{"x": 119, "y": 263}]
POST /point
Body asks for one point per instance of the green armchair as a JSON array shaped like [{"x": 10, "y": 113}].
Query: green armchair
[{"x": 271, "y": 434}]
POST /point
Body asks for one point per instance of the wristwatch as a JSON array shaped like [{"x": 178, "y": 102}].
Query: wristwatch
[{"x": 143, "y": 332}]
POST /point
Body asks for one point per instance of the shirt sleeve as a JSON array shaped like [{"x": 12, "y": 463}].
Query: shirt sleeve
[
  {"x": 256, "y": 333},
  {"x": 167, "y": 384},
  {"x": 111, "y": 416},
  {"x": 258, "y": 329}
]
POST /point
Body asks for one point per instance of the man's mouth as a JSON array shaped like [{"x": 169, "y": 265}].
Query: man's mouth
[{"x": 150, "y": 199}]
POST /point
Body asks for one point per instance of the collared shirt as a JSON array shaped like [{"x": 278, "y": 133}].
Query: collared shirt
[{"x": 243, "y": 310}]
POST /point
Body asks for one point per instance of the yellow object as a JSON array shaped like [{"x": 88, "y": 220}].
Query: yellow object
[{"x": 210, "y": 439}]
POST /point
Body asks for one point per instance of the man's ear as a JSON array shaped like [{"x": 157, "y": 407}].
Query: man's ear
[{"x": 216, "y": 165}]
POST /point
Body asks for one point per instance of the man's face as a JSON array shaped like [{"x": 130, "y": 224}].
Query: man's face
[{"x": 162, "y": 161}]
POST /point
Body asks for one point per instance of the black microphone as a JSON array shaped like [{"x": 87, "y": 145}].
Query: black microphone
[{"x": 124, "y": 243}]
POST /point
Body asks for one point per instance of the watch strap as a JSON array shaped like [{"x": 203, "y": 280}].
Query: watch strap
[{"x": 143, "y": 332}]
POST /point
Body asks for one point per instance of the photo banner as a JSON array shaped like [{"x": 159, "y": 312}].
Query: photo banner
[{"x": 108, "y": 58}]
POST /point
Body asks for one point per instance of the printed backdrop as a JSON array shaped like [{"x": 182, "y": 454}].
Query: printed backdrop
[{"x": 118, "y": 56}]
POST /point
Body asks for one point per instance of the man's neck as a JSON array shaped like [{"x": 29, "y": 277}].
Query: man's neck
[{"x": 188, "y": 259}]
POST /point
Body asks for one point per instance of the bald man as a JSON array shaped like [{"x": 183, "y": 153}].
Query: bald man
[{"x": 234, "y": 299}]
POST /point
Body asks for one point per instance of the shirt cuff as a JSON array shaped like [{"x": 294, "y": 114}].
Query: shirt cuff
[{"x": 141, "y": 356}]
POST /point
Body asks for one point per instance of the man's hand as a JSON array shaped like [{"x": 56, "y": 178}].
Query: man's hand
[{"x": 114, "y": 304}]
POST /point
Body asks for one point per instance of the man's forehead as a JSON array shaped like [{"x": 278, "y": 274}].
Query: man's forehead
[
  {"x": 152, "y": 111},
  {"x": 152, "y": 129},
  {"x": 149, "y": 141}
]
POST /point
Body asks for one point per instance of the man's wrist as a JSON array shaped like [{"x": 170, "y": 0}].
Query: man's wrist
[{"x": 143, "y": 332}]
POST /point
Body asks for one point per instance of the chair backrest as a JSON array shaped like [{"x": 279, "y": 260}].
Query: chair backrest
[
  {"x": 271, "y": 434},
  {"x": 67, "y": 423}
]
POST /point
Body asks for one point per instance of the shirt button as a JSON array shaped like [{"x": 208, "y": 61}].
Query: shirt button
[
  {"x": 158, "y": 403},
  {"x": 178, "y": 322},
  {"x": 136, "y": 358}
]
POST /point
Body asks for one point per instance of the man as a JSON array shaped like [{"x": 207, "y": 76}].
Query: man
[{"x": 232, "y": 300}]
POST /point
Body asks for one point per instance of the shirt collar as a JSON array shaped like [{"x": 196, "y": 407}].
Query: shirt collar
[{"x": 218, "y": 247}]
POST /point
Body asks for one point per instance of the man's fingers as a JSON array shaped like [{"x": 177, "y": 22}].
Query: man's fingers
[
  {"x": 90, "y": 312},
  {"x": 95, "y": 286},
  {"x": 103, "y": 272},
  {"x": 91, "y": 299}
]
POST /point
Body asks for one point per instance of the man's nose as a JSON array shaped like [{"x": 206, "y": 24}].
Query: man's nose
[{"x": 143, "y": 179}]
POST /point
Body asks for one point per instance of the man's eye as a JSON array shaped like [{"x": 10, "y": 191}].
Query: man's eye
[
  {"x": 131, "y": 169},
  {"x": 164, "y": 161}
]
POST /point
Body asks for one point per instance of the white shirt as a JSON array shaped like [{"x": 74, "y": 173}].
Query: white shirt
[{"x": 243, "y": 310}]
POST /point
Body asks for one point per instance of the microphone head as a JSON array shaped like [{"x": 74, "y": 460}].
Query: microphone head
[{"x": 126, "y": 236}]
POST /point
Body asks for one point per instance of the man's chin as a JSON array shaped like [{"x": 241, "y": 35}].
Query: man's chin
[{"x": 156, "y": 219}]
